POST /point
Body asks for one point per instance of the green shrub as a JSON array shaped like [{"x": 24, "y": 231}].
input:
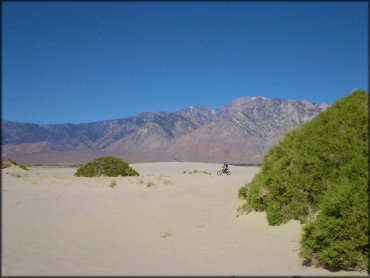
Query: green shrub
[
  {"x": 5, "y": 164},
  {"x": 9, "y": 162},
  {"x": 12, "y": 161},
  {"x": 318, "y": 174},
  {"x": 20, "y": 165},
  {"x": 243, "y": 192},
  {"x": 339, "y": 235},
  {"x": 106, "y": 166}
]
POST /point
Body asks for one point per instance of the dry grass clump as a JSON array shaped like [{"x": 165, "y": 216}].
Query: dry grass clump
[
  {"x": 61, "y": 177},
  {"x": 154, "y": 180},
  {"x": 141, "y": 181},
  {"x": 166, "y": 182},
  {"x": 196, "y": 172},
  {"x": 164, "y": 234},
  {"x": 113, "y": 184},
  {"x": 150, "y": 184}
]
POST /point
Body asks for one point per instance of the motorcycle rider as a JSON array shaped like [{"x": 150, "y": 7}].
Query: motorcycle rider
[{"x": 225, "y": 167}]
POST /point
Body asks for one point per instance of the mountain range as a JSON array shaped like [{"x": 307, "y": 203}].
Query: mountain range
[{"x": 238, "y": 132}]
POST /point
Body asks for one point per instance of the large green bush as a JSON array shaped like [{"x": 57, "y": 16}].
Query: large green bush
[
  {"x": 106, "y": 166},
  {"x": 318, "y": 173}
]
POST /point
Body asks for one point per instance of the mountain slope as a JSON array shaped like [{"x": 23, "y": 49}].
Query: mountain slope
[
  {"x": 247, "y": 127},
  {"x": 241, "y": 130}
]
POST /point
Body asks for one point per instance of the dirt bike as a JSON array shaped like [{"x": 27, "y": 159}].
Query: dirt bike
[{"x": 222, "y": 171}]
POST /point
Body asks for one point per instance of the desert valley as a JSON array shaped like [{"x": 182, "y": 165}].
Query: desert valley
[
  {"x": 168, "y": 212},
  {"x": 176, "y": 218}
]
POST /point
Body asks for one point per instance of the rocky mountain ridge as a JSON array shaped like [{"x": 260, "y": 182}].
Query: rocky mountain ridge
[{"x": 239, "y": 131}]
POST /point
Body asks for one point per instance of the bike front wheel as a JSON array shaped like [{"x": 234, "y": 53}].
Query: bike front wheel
[{"x": 219, "y": 173}]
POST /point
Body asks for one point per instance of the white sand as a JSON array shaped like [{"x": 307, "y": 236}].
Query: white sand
[{"x": 184, "y": 224}]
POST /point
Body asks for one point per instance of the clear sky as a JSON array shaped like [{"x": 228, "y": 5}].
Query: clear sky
[{"x": 72, "y": 62}]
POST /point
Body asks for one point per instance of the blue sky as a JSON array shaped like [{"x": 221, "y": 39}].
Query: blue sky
[{"x": 72, "y": 62}]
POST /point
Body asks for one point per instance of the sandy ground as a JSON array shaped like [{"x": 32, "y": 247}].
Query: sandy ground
[{"x": 164, "y": 222}]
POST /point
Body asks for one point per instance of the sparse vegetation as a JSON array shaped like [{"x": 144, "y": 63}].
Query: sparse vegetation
[
  {"x": 150, "y": 184},
  {"x": 165, "y": 234},
  {"x": 106, "y": 166},
  {"x": 20, "y": 165},
  {"x": 113, "y": 184},
  {"x": 9, "y": 162},
  {"x": 196, "y": 172},
  {"x": 166, "y": 181},
  {"x": 318, "y": 173},
  {"x": 5, "y": 164},
  {"x": 16, "y": 175}
]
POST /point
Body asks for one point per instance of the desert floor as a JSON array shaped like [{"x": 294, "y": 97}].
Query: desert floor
[{"x": 164, "y": 222}]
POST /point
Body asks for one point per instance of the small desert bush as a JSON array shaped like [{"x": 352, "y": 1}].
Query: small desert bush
[
  {"x": 112, "y": 184},
  {"x": 11, "y": 161},
  {"x": 20, "y": 165},
  {"x": 5, "y": 164},
  {"x": 106, "y": 166},
  {"x": 164, "y": 234},
  {"x": 150, "y": 184}
]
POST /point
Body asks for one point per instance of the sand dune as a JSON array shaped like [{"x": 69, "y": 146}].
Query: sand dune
[{"x": 164, "y": 222}]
